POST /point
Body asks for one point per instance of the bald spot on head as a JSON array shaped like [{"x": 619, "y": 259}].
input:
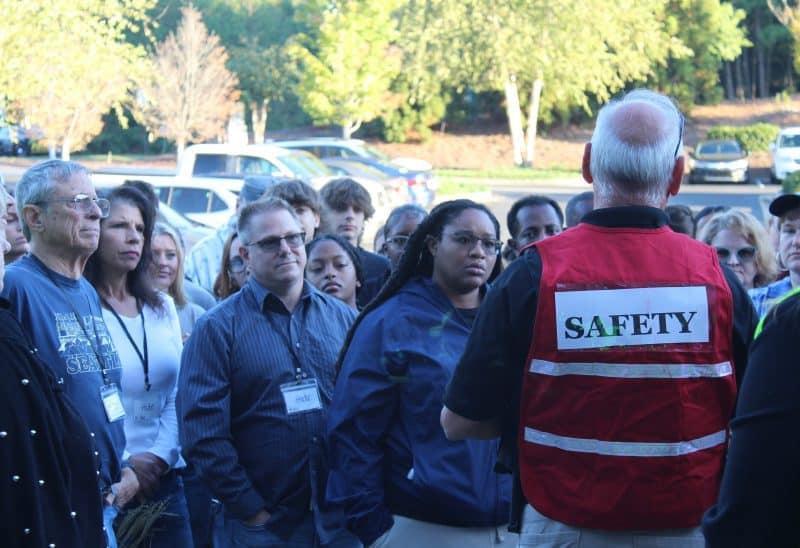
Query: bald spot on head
[{"x": 638, "y": 123}]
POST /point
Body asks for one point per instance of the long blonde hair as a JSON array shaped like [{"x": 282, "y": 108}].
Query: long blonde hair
[
  {"x": 751, "y": 230},
  {"x": 175, "y": 290}
]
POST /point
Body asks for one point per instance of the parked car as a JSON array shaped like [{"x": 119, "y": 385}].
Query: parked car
[
  {"x": 14, "y": 141},
  {"x": 190, "y": 231},
  {"x": 199, "y": 201},
  {"x": 331, "y": 147},
  {"x": 420, "y": 178},
  {"x": 719, "y": 162},
  {"x": 395, "y": 187},
  {"x": 785, "y": 154}
]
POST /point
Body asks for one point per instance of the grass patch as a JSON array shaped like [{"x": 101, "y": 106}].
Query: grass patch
[
  {"x": 516, "y": 173},
  {"x": 450, "y": 186}
]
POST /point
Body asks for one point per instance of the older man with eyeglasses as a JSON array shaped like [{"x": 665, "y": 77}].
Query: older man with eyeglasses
[
  {"x": 629, "y": 378},
  {"x": 60, "y": 215},
  {"x": 256, "y": 381}
]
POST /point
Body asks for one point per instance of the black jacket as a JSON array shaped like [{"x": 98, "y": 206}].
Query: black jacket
[{"x": 48, "y": 478}]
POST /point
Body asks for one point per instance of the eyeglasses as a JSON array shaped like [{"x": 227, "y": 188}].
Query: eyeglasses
[
  {"x": 468, "y": 240},
  {"x": 398, "y": 241},
  {"x": 680, "y": 135},
  {"x": 272, "y": 244},
  {"x": 237, "y": 265},
  {"x": 745, "y": 255},
  {"x": 82, "y": 203}
]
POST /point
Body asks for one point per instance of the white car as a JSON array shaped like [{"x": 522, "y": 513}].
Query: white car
[
  {"x": 200, "y": 201},
  {"x": 785, "y": 153}
]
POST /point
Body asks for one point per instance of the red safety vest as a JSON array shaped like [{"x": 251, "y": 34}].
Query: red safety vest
[{"x": 629, "y": 383}]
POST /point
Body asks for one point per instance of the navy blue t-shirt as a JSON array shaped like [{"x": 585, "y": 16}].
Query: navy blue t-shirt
[{"x": 47, "y": 313}]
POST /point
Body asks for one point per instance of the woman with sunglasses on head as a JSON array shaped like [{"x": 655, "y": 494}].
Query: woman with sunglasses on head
[
  {"x": 786, "y": 209},
  {"x": 144, "y": 326},
  {"x": 742, "y": 245},
  {"x": 233, "y": 271},
  {"x": 401, "y": 483},
  {"x": 333, "y": 267}
]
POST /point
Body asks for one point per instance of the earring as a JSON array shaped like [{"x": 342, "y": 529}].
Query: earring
[{"x": 780, "y": 262}]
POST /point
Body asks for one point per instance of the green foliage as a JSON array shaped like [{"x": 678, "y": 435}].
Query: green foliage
[
  {"x": 346, "y": 66},
  {"x": 791, "y": 183},
  {"x": 69, "y": 63},
  {"x": 753, "y": 138},
  {"x": 708, "y": 32}
]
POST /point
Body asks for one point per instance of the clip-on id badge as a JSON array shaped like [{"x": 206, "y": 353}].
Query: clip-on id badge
[
  {"x": 301, "y": 396},
  {"x": 112, "y": 402}
]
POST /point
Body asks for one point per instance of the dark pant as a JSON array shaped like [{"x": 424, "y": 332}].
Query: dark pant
[
  {"x": 304, "y": 536},
  {"x": 172, "y": 530},
  {"x": 205, "y": 514}
]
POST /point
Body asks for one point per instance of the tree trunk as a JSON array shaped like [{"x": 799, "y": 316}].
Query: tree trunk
[
  {"x": 65, "y": 150},
  {"x": 761, "y": 58},
  {"x": 533, "y": 122},
  {"x": 514, "y": 114},
  {"x": 180, "y": 146},
  {"x": 730, "y": 94},
  {"x": 350, "y": 128},
  {"x": 737, "y": 64},
  {"x": 258, "y": 113},
  {"x": 51, "y": 150}
]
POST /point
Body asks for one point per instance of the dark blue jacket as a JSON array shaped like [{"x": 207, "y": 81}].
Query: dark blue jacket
[{"x": 388, "y": 453}]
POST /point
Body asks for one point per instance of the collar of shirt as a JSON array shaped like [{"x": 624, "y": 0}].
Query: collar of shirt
[
  {"x": 269, "y": 301},
  {"x": 633, "y": 216}
]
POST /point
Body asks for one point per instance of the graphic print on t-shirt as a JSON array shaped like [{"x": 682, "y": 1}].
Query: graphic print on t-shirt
[{"x": 75, "y": 348}]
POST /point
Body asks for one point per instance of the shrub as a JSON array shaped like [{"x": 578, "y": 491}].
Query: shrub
[
  {"x": 791, "y": 183},
  {"x": 753, "y": 138}
]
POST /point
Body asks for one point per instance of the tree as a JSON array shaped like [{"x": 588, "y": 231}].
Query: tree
[
  {"x": 548, "y": 48},
  {"x": 189, "y": 93},
  {"x": 789, "y": 16},
  {"x": 68, "y": 63},
  {"x": 347, "y": 66}
]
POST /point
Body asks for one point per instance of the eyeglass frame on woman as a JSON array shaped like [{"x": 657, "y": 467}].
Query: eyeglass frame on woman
[
  {"x": 489, "y": 245},
  {"x": 82, "y": 203},
  {"x": 749, "y": 257},
  {"x": 272, "y": 244}
]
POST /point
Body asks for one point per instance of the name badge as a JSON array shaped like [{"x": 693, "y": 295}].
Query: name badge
[
  {"x": 112, "y": 402},
  {"x": 301, "y": 396},
  {"x": 146, "y": 410}
]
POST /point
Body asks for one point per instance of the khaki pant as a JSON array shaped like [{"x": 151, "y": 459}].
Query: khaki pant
[
  {"x": 543, "y": 532},
  {"x": 410, "y": 533}
]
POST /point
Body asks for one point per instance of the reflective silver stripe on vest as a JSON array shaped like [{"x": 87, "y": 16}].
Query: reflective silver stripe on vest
[
  {"x": 624, "y": 448},
  {"x": 633, "y": 370}
]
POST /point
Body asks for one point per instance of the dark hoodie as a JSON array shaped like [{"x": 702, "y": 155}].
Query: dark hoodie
[{"x": 388, "y": 453}]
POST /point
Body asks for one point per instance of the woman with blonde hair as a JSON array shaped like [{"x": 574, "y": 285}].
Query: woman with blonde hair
[
  {"x": 742, "y": 244},
  {"x": 166, "y": 273}
]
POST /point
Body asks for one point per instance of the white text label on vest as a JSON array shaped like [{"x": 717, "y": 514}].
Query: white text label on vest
[{"x": 631, "y": 317}]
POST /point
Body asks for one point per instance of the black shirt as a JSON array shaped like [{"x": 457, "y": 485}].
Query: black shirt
[
  {"x": 376, "y": 270},
  {"x": 488, "y": 379}
]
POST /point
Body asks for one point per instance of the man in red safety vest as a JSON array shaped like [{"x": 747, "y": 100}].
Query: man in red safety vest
[{"x": 610, "y": 355}]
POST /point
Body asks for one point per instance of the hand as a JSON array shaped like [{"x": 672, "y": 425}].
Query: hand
[
  {"x": 149, "y": 468},
  {"x": 258, "y": 519},
  {"x": 124, "y": 490}
]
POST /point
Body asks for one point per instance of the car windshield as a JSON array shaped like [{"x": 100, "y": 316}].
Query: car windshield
[
  {"x": 731, "y": 147},
  {"x": 304, "y": 164},
  {"x": 370, "y": 152},
  {"x": 789, "y": 141}
]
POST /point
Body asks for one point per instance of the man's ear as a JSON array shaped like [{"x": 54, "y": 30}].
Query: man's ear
[
  {"x": 34, "y": 217},
  {"x": 512, "y": 243},
  {"x": 244, "y": 253},
  {"x": 677, "y": 176},
  {"x": 586, "y": 163}
]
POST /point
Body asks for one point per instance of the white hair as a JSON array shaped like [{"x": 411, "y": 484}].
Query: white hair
[{"x": 635, "y": 164}]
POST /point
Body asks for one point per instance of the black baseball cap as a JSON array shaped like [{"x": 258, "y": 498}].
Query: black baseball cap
[{"x": 784, "y": 203}]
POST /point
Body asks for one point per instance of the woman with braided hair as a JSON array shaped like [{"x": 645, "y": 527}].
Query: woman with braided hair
[{"x": 401, "y": 483}]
